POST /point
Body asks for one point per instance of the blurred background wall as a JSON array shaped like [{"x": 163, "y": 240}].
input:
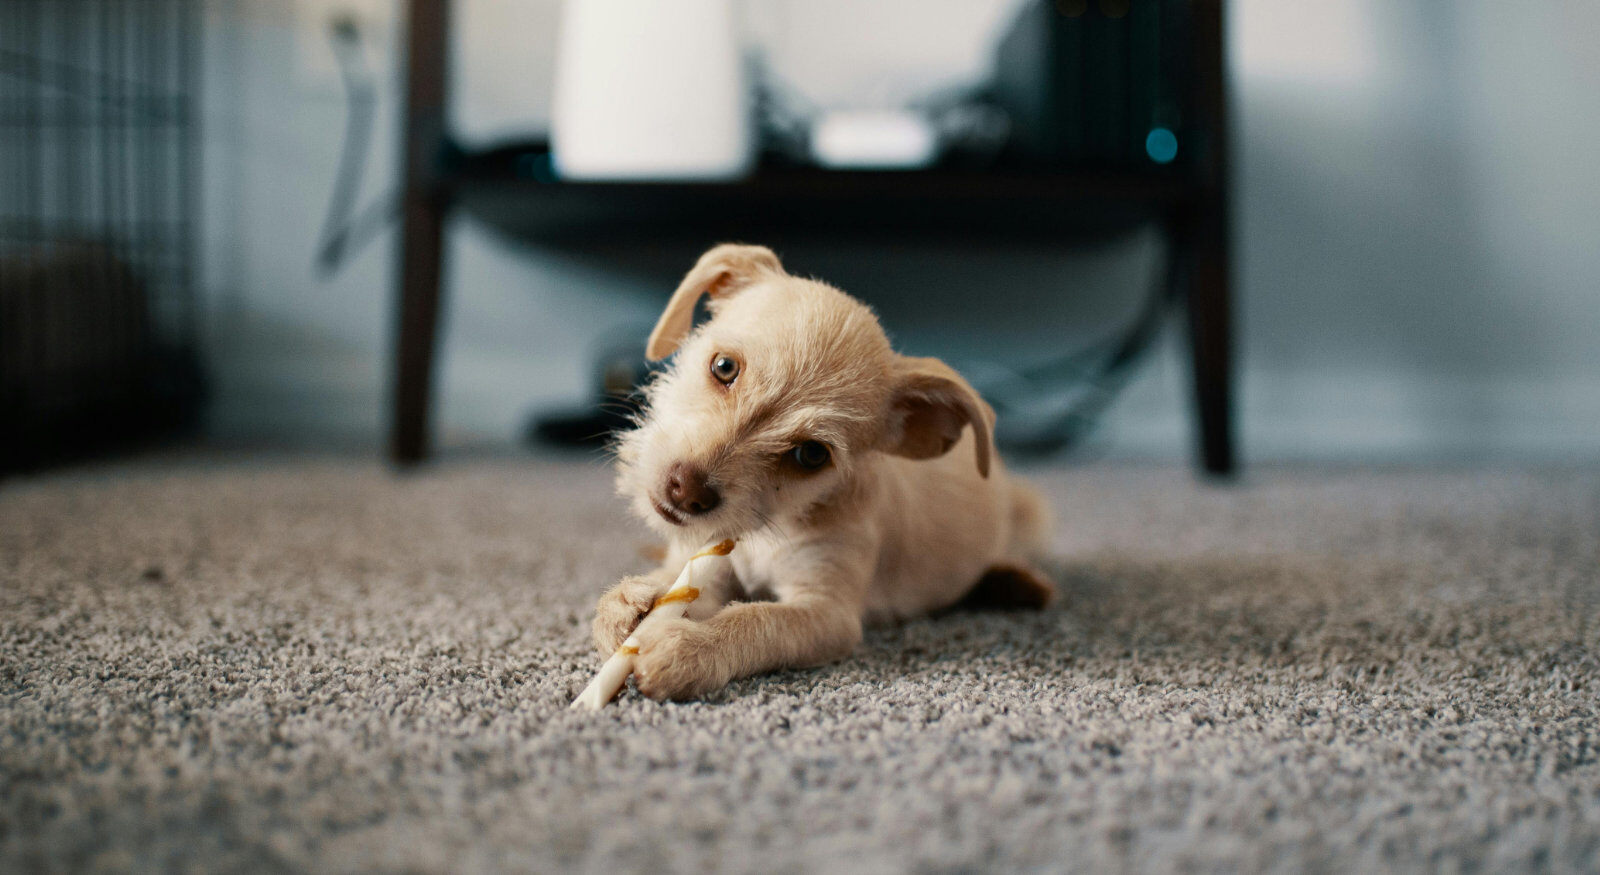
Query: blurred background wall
[{"x": 1417, "y": 229}]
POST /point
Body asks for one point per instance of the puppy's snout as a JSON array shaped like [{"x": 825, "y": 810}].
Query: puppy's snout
[{"x": 687, "y": 489}]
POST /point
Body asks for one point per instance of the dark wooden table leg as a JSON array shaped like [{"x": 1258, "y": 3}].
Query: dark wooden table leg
[
  {"x": 425, "y": 201},
  {"x": 420, "y": 265},
  {"x": 1210, "y": 342},
  {"x": 1205, "y": 239}
]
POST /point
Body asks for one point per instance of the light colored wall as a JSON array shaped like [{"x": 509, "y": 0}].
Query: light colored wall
[
  {"x": 1417, "y": 227},
  {"x": 1416, "y": 230}
]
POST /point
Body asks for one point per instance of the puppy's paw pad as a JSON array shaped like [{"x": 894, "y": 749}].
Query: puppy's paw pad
[{"x": 1010, "y": 586}]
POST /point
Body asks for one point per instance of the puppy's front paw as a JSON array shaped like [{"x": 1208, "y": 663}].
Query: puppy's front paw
[
  {"x": 620, "y": 610},
  {"x": 677, "y": 660}
]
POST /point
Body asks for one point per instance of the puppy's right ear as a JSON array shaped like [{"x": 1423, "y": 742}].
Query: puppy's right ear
[
  {"x": 721, "y": 271},
  {"x": 930, "y": 407}
]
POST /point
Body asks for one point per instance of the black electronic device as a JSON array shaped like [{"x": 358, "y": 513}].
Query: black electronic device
[{"x": 1096, "y": 83}]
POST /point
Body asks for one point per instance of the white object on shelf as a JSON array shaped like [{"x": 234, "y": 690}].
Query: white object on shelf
[
  {"x": 650, "y": 90},
  {"x": 879, "y": 139}
]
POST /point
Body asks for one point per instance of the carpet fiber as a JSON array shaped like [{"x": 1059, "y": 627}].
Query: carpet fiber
[{"x": 316, "y": 665}]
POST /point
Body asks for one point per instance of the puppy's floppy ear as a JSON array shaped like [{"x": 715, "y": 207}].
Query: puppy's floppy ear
[
  {"x": 721, "y": 271},
  {"x": 930, "y": 406}
]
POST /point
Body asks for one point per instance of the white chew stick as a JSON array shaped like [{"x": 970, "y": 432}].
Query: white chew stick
[{"x": 704, "y": 567}]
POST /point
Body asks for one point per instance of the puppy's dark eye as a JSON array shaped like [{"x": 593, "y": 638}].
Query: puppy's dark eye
[
  {"x": 810, "y": 455},
  {"x": 724, "y": 368}
]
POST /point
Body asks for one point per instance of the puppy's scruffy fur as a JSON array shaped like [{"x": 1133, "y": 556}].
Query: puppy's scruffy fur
[{"x": 908, "y": 511}]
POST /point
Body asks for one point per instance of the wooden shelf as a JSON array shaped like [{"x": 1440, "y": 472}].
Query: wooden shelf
[{"x": 514, "y": 190}]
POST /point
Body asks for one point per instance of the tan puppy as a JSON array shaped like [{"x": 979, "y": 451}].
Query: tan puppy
[{"x": 862, "y": 484}]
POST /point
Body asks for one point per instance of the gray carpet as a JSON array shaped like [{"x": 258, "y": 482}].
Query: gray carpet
[{"x": 314, "y": 665}]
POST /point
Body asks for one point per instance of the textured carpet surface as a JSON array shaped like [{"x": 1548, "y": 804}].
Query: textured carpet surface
[{"x": 315, "y": 665}]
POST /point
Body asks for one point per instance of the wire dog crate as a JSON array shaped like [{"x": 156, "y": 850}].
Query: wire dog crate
[{"x": 98, "y": 208}]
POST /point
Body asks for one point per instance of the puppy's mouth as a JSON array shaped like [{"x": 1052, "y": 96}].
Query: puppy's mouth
[{"x": 676, "y": 517}]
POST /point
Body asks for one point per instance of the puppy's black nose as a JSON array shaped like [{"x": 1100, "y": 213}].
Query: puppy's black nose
[{"x": 688, "y": 491}]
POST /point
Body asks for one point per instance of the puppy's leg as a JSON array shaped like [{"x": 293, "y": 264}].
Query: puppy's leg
[{"x": 684, "y": 659}]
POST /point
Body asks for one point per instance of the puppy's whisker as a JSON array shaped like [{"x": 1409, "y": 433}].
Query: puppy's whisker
[
  {"x": 597, "y": 436},
  {"x": 768, "y": 522}
]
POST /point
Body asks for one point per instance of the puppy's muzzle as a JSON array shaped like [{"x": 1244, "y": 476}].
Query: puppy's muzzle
[{"x": 686, "y": 492}]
